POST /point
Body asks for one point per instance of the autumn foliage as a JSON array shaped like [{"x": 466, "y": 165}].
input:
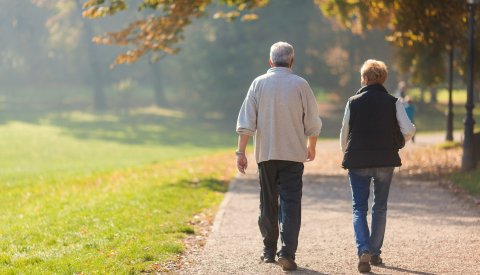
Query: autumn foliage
[{"x": 161, "y": 31}]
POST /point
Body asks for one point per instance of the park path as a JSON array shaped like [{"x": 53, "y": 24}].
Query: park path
[{"x": 429, "y": 230}]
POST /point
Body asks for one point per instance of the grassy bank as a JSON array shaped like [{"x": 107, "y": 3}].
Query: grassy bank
[
  {"x": 97, "y": 194},
  {"x": 469, "y": 181}
]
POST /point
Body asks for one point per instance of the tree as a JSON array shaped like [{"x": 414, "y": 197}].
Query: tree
[
  {"x": 162, "y": 30},
  {"x": 96, "y": 73},
  {"x": 68, "y": 29},
  {"x": 157, "y": 84},
  {"x": 23, "y": 40},
  {"x": 424, "y": 32},
  {"x": 426, "y": 27}
]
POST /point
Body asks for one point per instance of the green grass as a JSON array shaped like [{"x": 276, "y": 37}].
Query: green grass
[
  {"x": 469, "y": 181},
  {"x": 432, "y": 117},
  {"x": 105, "y": 194},
  {"x": 446, "y": 145},
  {"x": 113, "y": 193},
  {"x": 459, "y": 96}
]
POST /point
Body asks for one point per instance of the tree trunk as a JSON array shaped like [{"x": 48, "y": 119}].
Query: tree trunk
[
  {"x": 158, "y": 88},
  {"x": 422, "y": 95},
  {"x": 433, "y": 95},
  {"x": 449, "y": 136},
  {"x": 477, "y": 94},
  {"x": 96, "y": 76}
]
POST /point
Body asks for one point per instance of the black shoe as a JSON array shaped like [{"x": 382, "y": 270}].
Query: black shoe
[
  {"x": 376, "y": 260},
  {"x": 364, "y": 262},
  {"x": 267, "y": 258},
  {"x": 287, "y": 263}
]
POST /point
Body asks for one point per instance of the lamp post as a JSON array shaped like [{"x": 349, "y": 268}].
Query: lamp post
[{"x": 468, "y": 159}]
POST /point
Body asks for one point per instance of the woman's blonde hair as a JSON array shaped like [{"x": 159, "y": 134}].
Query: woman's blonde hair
[{"x": 375, "y": 71}]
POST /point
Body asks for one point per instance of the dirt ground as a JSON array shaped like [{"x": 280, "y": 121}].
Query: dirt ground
[{"x": 430, "y": 230}]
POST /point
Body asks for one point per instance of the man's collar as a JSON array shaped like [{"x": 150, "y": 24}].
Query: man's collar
[{"x": 279, "y": 69}]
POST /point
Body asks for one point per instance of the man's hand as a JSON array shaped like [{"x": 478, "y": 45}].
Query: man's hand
[
  {"x": 241, "y": 158},
  {"x": 312, "y": 143},
  {"x": 242, "y": 163},
  {"x": 311, "y": 153}
]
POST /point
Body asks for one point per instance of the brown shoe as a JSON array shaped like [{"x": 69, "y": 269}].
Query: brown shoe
[
  {"x": 364, "y": 262},
  {"x": 376, "y": 260},
  {"x": 287, "y": 263}
]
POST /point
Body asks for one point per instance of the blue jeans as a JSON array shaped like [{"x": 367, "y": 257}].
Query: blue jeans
[{"x": 360, "y": 183}]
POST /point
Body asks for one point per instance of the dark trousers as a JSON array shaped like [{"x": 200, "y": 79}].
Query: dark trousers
[{"x": 280, "y": 179}]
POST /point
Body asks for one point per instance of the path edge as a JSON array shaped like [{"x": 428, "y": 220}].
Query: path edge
[{"x": 221, "y": 209}]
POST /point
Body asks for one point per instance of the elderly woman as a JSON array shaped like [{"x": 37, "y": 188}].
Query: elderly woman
[{"x": 375, "y": 126}]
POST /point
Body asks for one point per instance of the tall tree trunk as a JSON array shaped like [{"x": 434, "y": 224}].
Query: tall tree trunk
[
  {"x": 158, "y": 87},
  {"x": 449, "y": 135},
  {"x": 476, "y": 84},
  {"x": 96, "y": 75},
  {"x": 433, "y": 95},
  {"x": 422, "y": 95}
]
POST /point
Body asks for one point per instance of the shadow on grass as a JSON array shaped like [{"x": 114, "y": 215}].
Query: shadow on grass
[
  {"x": 134, "y": 128},
  {"x": 150, "y": 129},
  {"x": 169, "y": 128},
  {"x": 212, "y": 184}
]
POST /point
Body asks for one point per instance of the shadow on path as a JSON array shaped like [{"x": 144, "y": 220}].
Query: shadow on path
[{"x": 408, "y": 271}]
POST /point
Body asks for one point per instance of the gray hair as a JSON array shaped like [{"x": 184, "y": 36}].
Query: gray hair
[{"x": 281, "y": 54}]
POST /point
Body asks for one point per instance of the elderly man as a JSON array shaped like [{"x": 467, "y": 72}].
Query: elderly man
[
  {"x": 280, "y": 110},
  {"x": 375, "y": 126}
]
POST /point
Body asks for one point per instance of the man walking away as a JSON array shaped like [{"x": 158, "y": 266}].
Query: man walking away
[
  {"x": 280, "y": 110},
  {"x": 375, "y": 126}
]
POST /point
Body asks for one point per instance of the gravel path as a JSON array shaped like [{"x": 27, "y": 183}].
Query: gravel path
[{"x": 429, "y": 230}]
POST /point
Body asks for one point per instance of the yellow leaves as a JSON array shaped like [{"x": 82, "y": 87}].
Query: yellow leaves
[
  {"x": 232, "y": 15},
  {"x": 407, "y": 38},
  {"x": 358, "y": 15},
  {"x": 91, "y": 3},
  {"x": 431, "y": 12},
  {"x": 378, "y": 5},
  {"x": 249, "y": 17},
  {"x": 229, "y": 16},
  {"x": 242, "y": 6},
  {"x": 95, "y": 12},
  {"x": 94, "y": 8}
]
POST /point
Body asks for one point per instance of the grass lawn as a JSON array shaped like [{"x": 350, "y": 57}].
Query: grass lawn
[
  {"x": 459, "y": 96},
  {"x": 113, "y": 193},
  {"x": 469, "y": 181},
  {"x": 105, "y": 194},
  {"x": 432, "y": 118}
]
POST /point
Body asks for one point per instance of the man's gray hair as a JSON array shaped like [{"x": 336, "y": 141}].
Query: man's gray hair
[{"x": 281, "y": 54}]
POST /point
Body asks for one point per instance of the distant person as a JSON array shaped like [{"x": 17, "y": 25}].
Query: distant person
[
  {"x": 375, "y": 126},
  {"x": 410, "y": 110},
  {"x": 401, "y": 91},
  {"x": 281, "y": 112}
]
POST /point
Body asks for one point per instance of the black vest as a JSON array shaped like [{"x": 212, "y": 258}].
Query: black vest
[{"x": 374, "y": 137}]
